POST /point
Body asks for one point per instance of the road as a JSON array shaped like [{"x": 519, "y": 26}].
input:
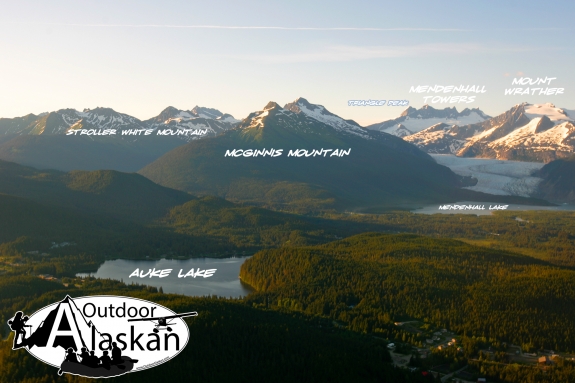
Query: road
[{"x": 451, "y": 374}]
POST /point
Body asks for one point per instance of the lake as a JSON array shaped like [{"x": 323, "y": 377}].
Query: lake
[
  {"x": 224, "y": 281},
  {"x": 434, "y": 209}
]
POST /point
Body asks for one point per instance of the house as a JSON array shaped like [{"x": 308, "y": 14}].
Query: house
[
  {"x": 47, "y": 277},
  {"x": 544, "y": 360}
]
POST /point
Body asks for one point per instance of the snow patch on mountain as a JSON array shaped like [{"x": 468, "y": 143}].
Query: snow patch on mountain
[
  {"x": 439, "y": 138},
  {"x": 555, "y": 138},
  {"x": 413, "y": 120},
  {"x": 228, "y": 118},
  {"x": 555, "y": 114},
  {"x": 415, "y": 124},
  {"x": 321, "y": 114},
  {"x": 183, "y": 114},
  {"x": 210, "y": 113},
  {"x": 200, "y": 118}
]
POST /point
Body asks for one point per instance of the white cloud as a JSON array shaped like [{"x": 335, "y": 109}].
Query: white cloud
[
  {"x": 255, "y": 27},
  {"x": 177, "y": 26},
  {"x": 355, "y": 53}
]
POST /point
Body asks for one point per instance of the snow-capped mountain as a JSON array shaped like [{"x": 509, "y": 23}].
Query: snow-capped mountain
[
  {"x": 540, "y": 132},
  {"x": 321, "y": 114},
  {"x": 59, "y": 122},
  {"x": 54, "y": 140},
  {"x": 212, "y": 114},
  {"x": 415, "y": 120},
  {"x": 274, "y": 120},
  {"x": 312, "y": 121},
  {"x": 371, "y": 167},
  {"x": 211, "y": 120},
  {"x": 99, "y": 118}
]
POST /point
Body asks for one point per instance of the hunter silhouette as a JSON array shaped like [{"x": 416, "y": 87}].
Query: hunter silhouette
[{"x": 18, "y": 325}]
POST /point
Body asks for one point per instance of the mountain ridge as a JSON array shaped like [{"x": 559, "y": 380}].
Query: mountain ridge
[
  {"x": 526, "y": 132},
  {"x": 41, "y": 140},
  {"x": 120, "y": 195},
  {"x": 381, "y": 169},
  {"x": 62, "y": 120},
  {"x": 413, "y": 120}
]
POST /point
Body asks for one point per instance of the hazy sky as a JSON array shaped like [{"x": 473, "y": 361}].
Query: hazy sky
[{"x": 139, "y": 57}]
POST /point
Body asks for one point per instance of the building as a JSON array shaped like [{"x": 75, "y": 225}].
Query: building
[{"x": 544, "y": 360}]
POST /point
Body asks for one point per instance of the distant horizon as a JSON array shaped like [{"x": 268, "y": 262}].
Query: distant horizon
[{"x": 399, "y": 110}]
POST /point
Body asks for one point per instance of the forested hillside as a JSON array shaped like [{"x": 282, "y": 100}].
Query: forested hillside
[
  {"x": 127, "y": 196},
  {"x": 229, "y": 342},
  {"x": 547, "y": 235},
  {"x": 558, "y": 180},
  {"x": 369, "y": 281}
]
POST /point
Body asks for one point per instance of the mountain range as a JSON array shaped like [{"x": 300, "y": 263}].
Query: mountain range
[
  {"x": 42, "y": 141},
  {"x": 63, "y": 120},
  {"x": 380, "y": 170},
  {"x": 526, "y": 132},
  {"x": 388, "y": 161},
  {"x": 414, "y": 120}
]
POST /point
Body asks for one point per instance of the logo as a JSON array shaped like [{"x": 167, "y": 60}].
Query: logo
[{"x": 101, "y": 336}]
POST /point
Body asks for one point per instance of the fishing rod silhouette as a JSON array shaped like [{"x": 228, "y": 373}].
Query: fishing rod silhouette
[{"x": 160, "y": 322}]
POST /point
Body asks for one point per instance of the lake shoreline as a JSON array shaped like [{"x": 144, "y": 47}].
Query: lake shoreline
[{"x": 192, "y": 277}]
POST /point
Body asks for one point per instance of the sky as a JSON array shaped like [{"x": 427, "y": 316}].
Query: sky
[{"x": 138, "y": 57}]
